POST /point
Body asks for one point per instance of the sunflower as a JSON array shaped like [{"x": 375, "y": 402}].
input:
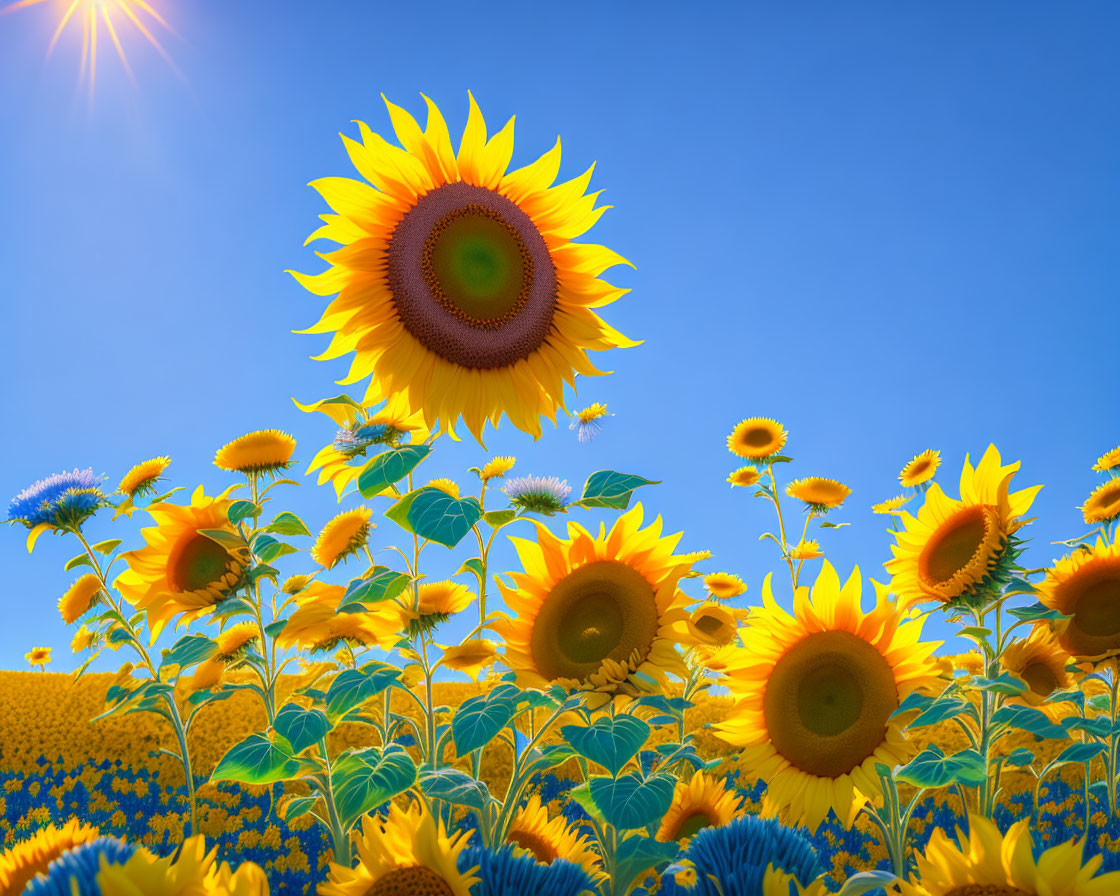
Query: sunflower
[
  {"x": 295, "y": 584},
  {"x": 180, "y": 571},
  {"x": 75, "y": 871},
  {"x": 1085, "y": 586},
  {"x": 83, "y": 639},
  {"x": 713, "y": 624},
  {"x": 724, "y": 585},
  {"x": 701, "y": 802},
  {"x": 142, "y": 479},
  {"x": 342, "y": 537},
  {"x": 599, "y": 613},
  {"x": 316, "y": 623},
  {"x": 1103, "y": 505},
  {"x": 264, "y": 451},
  {"x": 1041, "y": 662},
  {"x": 448, "y": 486},
  {"x": 956, "y": 547},
  {"x": 22, "y": 862},
  {"x": 236, "y": 641},
  {"x": 757, "y": 439},
  {"x": 79, "y": 598},
  {"x": 1110, "y": 460},
  {"x": 207, "y": 676},
  {"x": 189, "y": 870},
  {"x": 807, "y": 550},
  {"x": 920, "y": 469},
  {"x": 892, "y": 505},
  {"x": 548, "y": 840},
  {"x": 409, "y": 854},
  {"x": 589, "y": 421},
  {"x": 38, "y": 656},
  {"x": 994, "y": 864},
  {"x": 496, "y": 468},
  {"x": 819, "y": 493},
  {"x": 471, "y": 656},
  {"x": 744, "y": 476},
  {"x": 456, "y": 280},
  {"x": 814, "y": 695}
]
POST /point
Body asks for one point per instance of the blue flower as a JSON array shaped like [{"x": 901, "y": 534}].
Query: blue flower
[
  {"x": 504, "y": 874},
  {"x": 61, "y": 500},
  {"x": 538, "y": 494},
  {"x": 737, "y": 855},
  {"x": 74, "y": 873},
  {"x": 589, "y": 421}
]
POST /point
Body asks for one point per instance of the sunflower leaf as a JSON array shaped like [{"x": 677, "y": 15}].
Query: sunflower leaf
[
  {"x": 390, "y": 467},
  {"x": 108, "y": 546},
  {"x": 636, "y": 855},
  {"x": 364, "y": 779},
  {"x": 288, "y": 524},
  {"x": 630, "y": 801},
  {"x": 455, "y": 787},
  {"x": 80, "y": 560},
  {"x": 384, "y": 584},
  {"x": 302, "y": 727},
  {"x": 435, "y": 515},
  {"x": 353, "y": 687},
  {"x": 610, "y": 741},
  {"x": 1034, "y": 612},
  {"x": 611, "y": 490},
  {"x": 259, "y": 759},
  {"x": 932, "y": 769},
  {"x": 242, "y": 510},
  {"x": 1005, "y": 683},
  {"x": 1078, "y": 753},
  {"x": 1027, "y": 718},
  {"x": 189, "y": 651},
  {"x": 479, "y": 719}
]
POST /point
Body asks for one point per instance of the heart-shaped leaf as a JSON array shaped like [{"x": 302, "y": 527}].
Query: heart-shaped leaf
[
  {"x": 479, "y": 719},
  {"x": 302, "y": 727},
  {"x": 612, "y": 490},
  {"x": 390, "y": 467},
  {"x": 259, "y": 759},
  {"x": 631, "y": 801},
  {"x": 435, "y": 515},
  {"x": 365, "y": 779},
  {"x": 610, "y": 741}
]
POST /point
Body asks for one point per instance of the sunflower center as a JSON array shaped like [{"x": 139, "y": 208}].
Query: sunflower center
[
  {"x": 709, "y": 625},
  {"x": 196, "y": 564},
  {"x": 1098, "y": 608},
  {"x": 827, "y": 702},
  {"x": 542, "y": 850},
  {"x": 1040, "y": 678},
  {"x": 604, "y": 610},
  {"x": 960, "y": 551},
  {"x": 415, "y": 880},
  {"x": 693, "y": 823},
  {"x": 471, "y": 277},
  {"x": 758, "y": 437},
  {"x": 987, "y": 890},
  {"x": 918, "y": 469}
]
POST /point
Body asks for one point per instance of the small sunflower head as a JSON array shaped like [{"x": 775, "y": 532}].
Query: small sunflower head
[
  {"x": 142, "y": 479},
  {"x": 891, "y": 505},
  {"x": 235, "y": 642},
  {"x": 1108, "y": 461},
  {"x": 496, "y": 468},
  {"x": 83, "y": 639},
  {"x": 546, "y": 495},
  {"x": 471, "y": 657},
  {"x": 744, "y": 476},
  {"x": 295, "y": 584},
  {"x": 588, "y": 423},
  {"x": 38, "y": 656},
  {"x": 61, "y": 501},
  {"x": 724, "y": 585},
  {"x": 263, "y": 452},
  {"x": 920, "y": 469},
  {"x": 447, "y": 486},
  {"x": 807, "y": 550},
  {"x": 757, "y": 439},
  {"x": 342, "y": 537},
  {"x": 79, "y": 598},
  {"x": 819, "y": 494},
  {"x": 438, "y": 602},
  {"x": 1103, "y": 505}
]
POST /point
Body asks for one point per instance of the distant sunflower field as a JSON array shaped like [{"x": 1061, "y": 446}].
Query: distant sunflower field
[{"x": 282, "y": 721}]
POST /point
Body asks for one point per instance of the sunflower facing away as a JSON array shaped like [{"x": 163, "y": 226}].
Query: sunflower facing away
[
  {"x": 343, "y": 536},
  {"x": 548, "y": 840},
  {"x": 180, "y": 572},
  {"x": 1085, "y": 586},
  {"x": 457, "y": 282},
  {"x": 819, "y": 493},
  {"x": 599, "y": 613},
  {"x": 409, "y": 854},
  {"x": 316, "y": 623},
  {"x": 954, "y": 547},
  {"x": 79, "y": 597},
  {"x": 190, "y": 869},
  {"x": 1040, "y": 661},
  {"x": 920, "y": 469},
  {"x": 724, "y": 585},
  {"x": 714, "y": 624},
  {"x": 994, "y": 864},
  {"x": 814, "y": 693},
  {"x": 1110, "y": 460},
  {"x": 701, "y": 802},
  {"x": 142, "y": 479}
]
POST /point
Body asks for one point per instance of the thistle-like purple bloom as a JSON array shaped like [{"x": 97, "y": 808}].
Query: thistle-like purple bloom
[
  {"x": 63, "y": 499},
  {"x": 357, "y": 438},
  {"x": 538, "y": 494}
]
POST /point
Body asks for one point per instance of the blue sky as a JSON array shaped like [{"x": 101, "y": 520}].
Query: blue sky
[{"x": 892, "y": 226}]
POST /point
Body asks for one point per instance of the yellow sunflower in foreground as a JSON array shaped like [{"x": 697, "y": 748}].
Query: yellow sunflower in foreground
[
  {"x": 814, "y": 693},
  {"x": 142, "y": 478},
  {"x": 920, "y": 469},
  {"x": 952, "y": 547},
  {"x": 1085, "y": 586},
  {"x": 599, "y": 613},
  {"x": 189, "y": 871},
  {"x": 180, "y": 572},
  {"x": 264, "y": 451},
  {"x": 457, "y": 281},
  {"x": 1103, "y": 505},
  {"x": 548, "y": 840},
  {"x": 701, "y": 802},
  {"x": 343, "y": 536},
  {"x": 79, "y": 597},
  {"x": 408, "y": 853},
  {"x": 1041, "y": 662},
  {"x": 29, "y": 857},
  {"x": 994, "y": 864},
  {"x": 757, "y": 438}
]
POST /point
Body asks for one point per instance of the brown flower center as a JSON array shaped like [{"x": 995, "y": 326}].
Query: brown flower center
[
  {"x": 1092, "y": 597},
  {"x": 961, "y": 551},
  {"x": 1040, "y": 678},
  {"x": 987, "y": 890},
  {"x": 415, "y": 880},
  {"x": 197, "y": 563}
]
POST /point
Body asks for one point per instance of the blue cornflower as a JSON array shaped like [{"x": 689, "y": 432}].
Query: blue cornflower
[
  {"x": 354, "y": 440},
  {"x": 502, "y": 873},
  {"x": 74, "y": 873},
  {"x": 61, "y": 500},
  {"x": 737, "y": 855},
  {"x": 538, "y": 494}
]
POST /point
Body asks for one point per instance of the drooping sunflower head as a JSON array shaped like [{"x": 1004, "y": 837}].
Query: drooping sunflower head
[
  {"x": 1103, "y": 505},
  {"x": 31, "y": 857},
  {"x": 316, "y": 623},
  {"x": 38, "y": 656},
  {"x": 142, "y": 479},
  {"x": 957, "y": 548},
  {"x": 437, "y": 602},
  {"x": 1085, "y": 586},
  {"x": 600, "y": 613},
  {"x": 921, "y": 468},
  {"x": 343, "y": 536},
  {"x": 815, "y": 692},
  {"x": 807, "y": 550},
  {"x": 548, "y": 840},
  {"x": 701, "y": 802},
  {"x": 79, "y": 598},
  {"x": 744, "y": 476},
  {"x": 190, "y": 869},
  {"x": 407, "y": 854},
  {"x": 263, "y": 452},
  {"x": 1040, "y": 661},
  {"x": 84, "y": 638},
  {"x": 757, "y": 439},
  {"x": 75, "y": 871},
  {"x": 458, "y": 284},
  {"x": 546, "y": 495},
  {"x": 471, "y": 657},
  {"x": 724, "y": 585},
  {"x": 714, "y": 624},
  {"x": 236, "y": 641},
  {"x": 819, "y": 494},
  {"x": 181, "y": 572},
  {"x": 1108, "y": 461},
  {"x": 496, "y": 468},
  {"x": 988, "y": 863},
  {"x": 892, "y": 505}
]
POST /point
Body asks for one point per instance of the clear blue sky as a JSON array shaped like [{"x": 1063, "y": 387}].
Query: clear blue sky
[{"x": 891, "y": 225}]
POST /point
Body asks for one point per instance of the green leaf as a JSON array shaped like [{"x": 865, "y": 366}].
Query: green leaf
[
  {"x": 288, "y": 524},
  {"x": 390, "y": 467},
  {"x": 1019, "y": 758},
  {"x": 455, "y": 787},
  {"x": 353, "y": 687},
  {"x": 107, "y": 547},
  {"x": 189, "y": 650},
  {"x": 1027, "y": 718},
  {"x": 943, "y": 708},
  {"x": 301, "y": 727},
  {"x": 914, "y": 701},
  {"x": 610, "y": 741},
  {"x": 612, "y": 490},
  {"x": 638, "y": 854},
  {"x": 582, "y": 796},
  {"x": 268, "y": 548},
  {"x": 259, "y": 759},
  {"x": 473, "y": 565},
  {"x": 866, "y": 881},
  {"x": 1079, "y": 753},
  {"x": 1034, "y": 613},
  {"x": 479, "y": 719},
  {"x": 1098, "y": 727},
  {"x": 932, "y": 768},
  {"x": 80, "y": 560},
  {"x": 1005, "y": 683},
  {"x": 435, "y": 515},
  {"x": 294, "y": 807},
  {"x": 242, "y": 510},
  {"x": 224, "y": 537},
  {"x": 365, "y": 779},
  {"x": 383, "y": 584},
  {"x": 630, "y": 802},
  {"x": 499, "y": 518},
  {"x": 398, "y": 512}
]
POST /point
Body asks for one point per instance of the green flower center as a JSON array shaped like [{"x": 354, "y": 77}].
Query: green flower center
[{"x": 198, "y": 564}]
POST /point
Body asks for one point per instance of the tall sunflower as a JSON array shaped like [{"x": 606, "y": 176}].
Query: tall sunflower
[
  {"x": 1085, "y": 586},
  {"x": 551, "y": 839},
  {"x": 597, "y": 613},
  {"x": 700, "y": 802},
  {"x": 956, "y": 547},
  {"x": 1040, "y": 661},
  {"x": 457, "y": 281},
  {"x": 814, "y": 695},
  {"x": 181, "y": 572}
]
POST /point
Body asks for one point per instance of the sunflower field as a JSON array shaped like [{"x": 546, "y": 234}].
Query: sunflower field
[{"x": 282, "y": 719}]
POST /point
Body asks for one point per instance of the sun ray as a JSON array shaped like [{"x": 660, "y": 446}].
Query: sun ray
[
  {"x": 66, "y": 16},
  {"x": 116, "y": 42}
]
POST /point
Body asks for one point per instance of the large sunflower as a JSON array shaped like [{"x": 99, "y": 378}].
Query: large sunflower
[
  {"x": 457, "y": 282},
  {"x": 1085, "y": 586},
  {"x": 815, "y": 691},
  {"x": 954, "y": 547},
  {"x": 181, "y": 572},
  {"x": 189, "y": 871},
  {"x": 32, "y": 856},
  {"x": 551, "y": 839},
  {"x": 598, "y": 613},
  {"x": 1040, "y": 661},
  {"x": 700, "y": 802},
  {"x": 993, "y": 864},
  {"x": 409, "y": 854}
]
